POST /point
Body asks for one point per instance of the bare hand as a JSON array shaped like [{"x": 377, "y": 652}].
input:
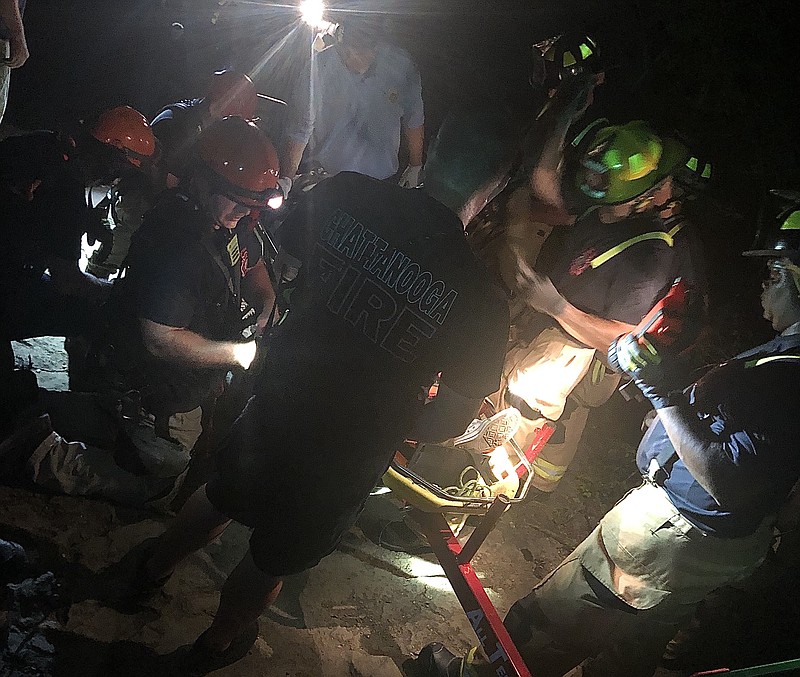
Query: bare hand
[
  {"x": 537, "y": 290},
  {"x": 19, "y": 53},
  {"x": 244, "y": 354}
]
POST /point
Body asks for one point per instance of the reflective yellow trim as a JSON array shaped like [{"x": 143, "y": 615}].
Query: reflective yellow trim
[
  {"x": 546, "y": 469},
  {"x": 707, "y": 171},
  {"x": 792, "y": 222},
  {"x": 598, "y": 371},
  {"x": 668, "y": 237},
  {"x": 692, "y": 164},
  {"x": 586, "y": 51},
  {"x": 773, "y": 358},
  {"x": 568, "y": 59}
]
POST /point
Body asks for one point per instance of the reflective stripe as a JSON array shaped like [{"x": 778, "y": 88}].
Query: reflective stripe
[
  {"x": 548, "y": 470},
  {"x": 598, "y": 371},
  {"x": 668, "y": 237},
  {"x": 582, "y": 135},
  {"x": 773, "y": 358},
  {"x": 792, "y": 222}
]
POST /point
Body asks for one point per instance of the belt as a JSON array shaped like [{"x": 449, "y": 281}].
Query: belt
[{"x": 690, "y": 529}]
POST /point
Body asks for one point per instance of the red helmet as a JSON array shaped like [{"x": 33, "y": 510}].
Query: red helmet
[
  {"x": 242, "y": 161},
  {"x": 128, "y": 130},
  {"x": 232, "y": 93}
]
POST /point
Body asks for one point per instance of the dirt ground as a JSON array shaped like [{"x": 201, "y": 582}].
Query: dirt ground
[{"x": 365, "y": 608}]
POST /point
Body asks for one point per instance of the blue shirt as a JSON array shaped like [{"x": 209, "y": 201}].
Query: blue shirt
[
  {"x": 352, "y": 122},
  {"x": 750, "y": 405}
]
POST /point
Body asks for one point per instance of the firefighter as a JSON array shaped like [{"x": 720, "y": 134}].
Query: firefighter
[
  {"x": 43, "y": 179},
  {"x": 596, "y": 279},
  {"x": 389, "y": 294},
  {"x": 117, "y": 216},
  {"x": 718, "y": 463},
  {"x": 175, "y": 328}
]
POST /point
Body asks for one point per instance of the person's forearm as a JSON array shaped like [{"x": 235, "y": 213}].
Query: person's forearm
[
  {"x": 186, "y": 347},
  {"x": 549, "y": 136},
  {"x": 415, "y": 139},
  {"x": 10, "y": 14},
  {"x": 293, "y": 153},
  {"x": 706, "y": 458},
  {"x": 591, "y": 330},
  {"x": 69, "y": 280}
]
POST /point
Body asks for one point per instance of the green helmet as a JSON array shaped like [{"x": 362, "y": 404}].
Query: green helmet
[
  {"x": 779, "y": 234},
  {"x": 623, "y": 162},
  {"x": 564, "y": 56}
]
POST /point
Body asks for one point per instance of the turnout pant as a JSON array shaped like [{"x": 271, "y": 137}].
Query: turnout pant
[{"x": 613, "y": 604}]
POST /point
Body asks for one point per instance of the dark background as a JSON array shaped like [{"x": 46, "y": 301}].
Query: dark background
[{"x": 722, "y": 71}]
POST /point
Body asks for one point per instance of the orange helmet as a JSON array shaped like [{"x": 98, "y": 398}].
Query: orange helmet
[
  {"x": 232, "y": 93},
  {"x": 128, "y": 130},
  {"x": 242, "y": 161}
]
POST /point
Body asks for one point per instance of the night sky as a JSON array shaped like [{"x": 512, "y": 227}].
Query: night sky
[{"x": 722, "y": 71}]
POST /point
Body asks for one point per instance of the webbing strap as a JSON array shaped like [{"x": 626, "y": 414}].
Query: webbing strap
[{"x": 668, "y": 237}]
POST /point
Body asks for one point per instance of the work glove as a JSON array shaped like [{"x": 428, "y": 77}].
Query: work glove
[
  {"x": 640, "y": 359},
  {"x": 410, "y": 178},
  {"x": 537, "y": 290}
]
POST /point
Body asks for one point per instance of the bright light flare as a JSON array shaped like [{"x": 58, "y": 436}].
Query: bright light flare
[
  {"x": 312, "y": 12},
  {"x": 275, "y": 202}
]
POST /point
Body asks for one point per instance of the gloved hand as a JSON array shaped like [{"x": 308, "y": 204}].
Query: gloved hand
[
  {"x": 410, "y": 177},
  {"x": 285, "y": 185},
  {"x": 641, "y": 361},
  {"x": 538, "y": 290}
]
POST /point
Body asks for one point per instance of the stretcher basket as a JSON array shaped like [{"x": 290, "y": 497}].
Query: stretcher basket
[
  {"x": 426, "y": 495},
  {"x": 434, "y": 510}
]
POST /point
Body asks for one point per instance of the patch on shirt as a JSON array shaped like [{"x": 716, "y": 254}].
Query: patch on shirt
[
  {"x": 233, "y": 250},
  {"x": 583, "y": 261},
  {"x": 245, "y": 267},
  {"x": 393, "y": 96}
]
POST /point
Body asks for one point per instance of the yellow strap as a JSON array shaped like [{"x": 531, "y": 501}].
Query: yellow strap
[{"x": 668, "y": 237}]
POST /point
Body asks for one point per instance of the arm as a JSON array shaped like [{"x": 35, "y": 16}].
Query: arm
[
  {"x": 292, "y": 154},
  {"x": 414, "y": 139},
  {"x": 447, "y": 415},
  {"x": 708, "y": 459},
  {"x": 70, "y": 281},
  {"x": 301, "y": 122},
  {"x": 593, "y": 331},
  {"x": 258, "y": 292},
  {"x": 546, "y": 141},
  {"x": 177, "y": 344},
  {"x": 10, "y": 14}
]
